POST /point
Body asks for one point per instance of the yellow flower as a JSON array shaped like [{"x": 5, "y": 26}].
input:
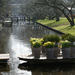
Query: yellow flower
[
  {"x": 33, "y": 43},
  {"x": 48, "y": 44}
]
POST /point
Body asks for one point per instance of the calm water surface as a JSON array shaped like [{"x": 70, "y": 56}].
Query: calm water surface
[{"x": 15, "y": 40}]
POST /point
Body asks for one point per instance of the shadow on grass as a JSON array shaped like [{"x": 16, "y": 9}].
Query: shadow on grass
[
  {"x": 50, "y": 24},
  {"x": 67, "y": 28}
]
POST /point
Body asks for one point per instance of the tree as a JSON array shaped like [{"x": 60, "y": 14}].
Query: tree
[
  {"x": 30, "y": 9},
  {"x": 7, "y": 8},
  {"x": 1, "y": 6},
  {"x": 61, "y": 5},
  {"x": 4, "y": 7}
]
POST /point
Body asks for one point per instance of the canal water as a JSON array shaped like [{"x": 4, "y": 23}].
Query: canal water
[{"x": 15, "y": 40}]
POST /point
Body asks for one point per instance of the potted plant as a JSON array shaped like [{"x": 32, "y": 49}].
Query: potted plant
[
  {"x": 36, "y": 45},
  {"x": 47, "y": 38},
  {"x": 49, "y": 49},
  {"x": 71, "y": 38},
  {"x": 66, "y": 48},
  {"x": 56, "y": 51},
  {"x": 56, "y": 39},
  {"x": 72, "y": 52},
  {"x": 56, "y": 48},
  {"x": 33, "y": 40},
  {"x": 42, "y": 47}
]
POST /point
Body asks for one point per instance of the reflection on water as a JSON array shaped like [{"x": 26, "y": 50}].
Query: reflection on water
[
  {"x": 49, "y": 69},
  {"x": 15, "y": 40}
]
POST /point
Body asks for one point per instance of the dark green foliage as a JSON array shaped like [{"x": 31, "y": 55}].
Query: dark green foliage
[
  {"x": 66, "y": 44},
  {"x": 52, "y": 38},
  {"x": 46, "y": 38},
  {"x": 70, "y": 38},
  {"x": 65, "y": 36},
  {"x": 55, "y": 45},
  {"x": 56, "y": 38}
]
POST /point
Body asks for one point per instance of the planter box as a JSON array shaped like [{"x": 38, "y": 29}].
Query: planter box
[
  {"x": 36, "y": 52},
  {"x": 49, "y": 53},
  {"x": 56, "y": 52},
  {"x": 66, "y": 52},
  {"x": 72, "y": 52}
]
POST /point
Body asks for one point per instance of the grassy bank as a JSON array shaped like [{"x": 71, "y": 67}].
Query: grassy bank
[{"x": 62, "y": 25}]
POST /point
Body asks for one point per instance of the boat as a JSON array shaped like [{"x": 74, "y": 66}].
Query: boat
[
  {"x": 59, "y": 60},
  {"x": 4, "y": 58}
]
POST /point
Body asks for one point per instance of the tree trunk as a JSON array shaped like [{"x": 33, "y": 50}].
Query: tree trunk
[
  {"x": 57, "y": 15},
  {"x": 71, "y": 21},
  {"x": 57, "y": 18},
  {"x": 49, "y": 18}
]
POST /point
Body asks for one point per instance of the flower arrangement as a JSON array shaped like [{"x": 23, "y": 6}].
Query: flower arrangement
[
  {"x": 48, "y": 44},
  {"x": 66, "y": 44},
  {"x": 33, "y": 39},
  {"x": 42, "y": 40},
  {"x": 36, "y": 43}
]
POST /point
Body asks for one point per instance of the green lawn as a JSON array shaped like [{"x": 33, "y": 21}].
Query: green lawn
[
  {"x": 53, "y": 22},
  {"x": 62, "y": 25},
  {"x": 66, "y": 29}
]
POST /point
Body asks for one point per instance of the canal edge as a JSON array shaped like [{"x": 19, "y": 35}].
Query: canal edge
[{"x": 50, "y": 28}]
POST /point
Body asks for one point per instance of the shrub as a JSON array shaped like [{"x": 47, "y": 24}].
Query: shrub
[
  {"x": 46, "y": 38},
  {"x": 64, "y": 36},
  {"x": 66, "y": 44},
  {"x": 52, "y": 38},
  {"x": 56, "y": 38},
  {"x": 70, "y": 38}
]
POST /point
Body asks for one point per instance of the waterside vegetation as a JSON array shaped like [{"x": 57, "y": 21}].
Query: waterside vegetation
[{"x": 62, "y": 25}]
